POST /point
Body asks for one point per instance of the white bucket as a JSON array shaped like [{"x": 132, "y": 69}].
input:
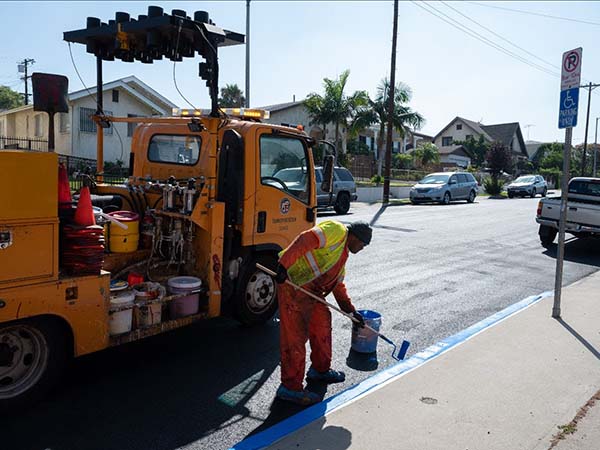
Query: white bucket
[
  {"x": 189, "y": 304},
  {"x": 119, "y": 322}
]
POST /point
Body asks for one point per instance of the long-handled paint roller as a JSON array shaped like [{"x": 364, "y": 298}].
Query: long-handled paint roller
[{"x": 397, "y": 356}]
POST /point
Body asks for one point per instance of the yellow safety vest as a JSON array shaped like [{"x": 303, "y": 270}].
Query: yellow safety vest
[{"x": 332, "y": 240}]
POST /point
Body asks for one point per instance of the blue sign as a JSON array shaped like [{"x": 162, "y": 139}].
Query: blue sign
[{"x": 569, "y": 102}]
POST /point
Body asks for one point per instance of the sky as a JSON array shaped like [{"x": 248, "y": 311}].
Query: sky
[{"x": 295, "y": 44}]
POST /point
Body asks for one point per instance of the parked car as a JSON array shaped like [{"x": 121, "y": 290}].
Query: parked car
[
  {"x": 583, "y": 211},
  {"x": 344, "y": 190},
  {"x": 443, "y": 187},
  {"x": 529, "y": 185}
]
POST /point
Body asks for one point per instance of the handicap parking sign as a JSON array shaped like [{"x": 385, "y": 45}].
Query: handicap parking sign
[{"x": 569, "y": 102}]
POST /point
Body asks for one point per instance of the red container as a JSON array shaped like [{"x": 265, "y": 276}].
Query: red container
[{"x": 135, "y": 278}]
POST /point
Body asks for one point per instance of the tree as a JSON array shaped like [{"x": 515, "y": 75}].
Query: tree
[
  {"x": 499, "y": 159},
  {"x": 475, "y": 148},
  {"x": 377, "y": 112},
  {"x": 9, "y": 99},
  {"x": 232, "y": 97},
  {"x": 403, "y": 161},
  {"x": 335, "y": 106},
  {"x": 427, "y": 154}
]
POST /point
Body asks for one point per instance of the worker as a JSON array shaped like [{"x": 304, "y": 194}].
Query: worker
[{"x": 315, "y": 261}]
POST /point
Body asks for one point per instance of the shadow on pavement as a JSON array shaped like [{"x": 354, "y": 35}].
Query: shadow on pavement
[
  {"x": 583, "y": 251},
  {"x": 580, "y": 338},
  {"x": 160, "y": 393}
]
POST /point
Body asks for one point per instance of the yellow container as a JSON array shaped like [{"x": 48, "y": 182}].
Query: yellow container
[{"x": 124, "y": 240}]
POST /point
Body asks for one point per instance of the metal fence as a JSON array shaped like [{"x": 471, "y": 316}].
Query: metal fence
[{"x": 16, "y": 143}]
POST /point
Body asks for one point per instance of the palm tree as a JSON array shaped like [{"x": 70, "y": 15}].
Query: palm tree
[
  {"x": 403, "y": 118},
  {"x": 232, "y": 97},
  {"x": 335, "y": 106},
  {"x": 427, "y": 153}
]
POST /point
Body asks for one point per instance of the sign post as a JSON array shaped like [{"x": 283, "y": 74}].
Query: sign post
[{"x": 567, "y": 118}]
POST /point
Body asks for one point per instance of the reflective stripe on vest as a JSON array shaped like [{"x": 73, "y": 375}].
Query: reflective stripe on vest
[{"x": 332, "y": 237}]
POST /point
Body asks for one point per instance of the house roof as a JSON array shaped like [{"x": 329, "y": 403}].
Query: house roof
[
  {"x": 504, "y": 133},
  {"x": 281, "y": 106},
  {"x": 15, "y": 110},
  {"x": 137, "y": 88},
  {"x": 475, "y": 126}
]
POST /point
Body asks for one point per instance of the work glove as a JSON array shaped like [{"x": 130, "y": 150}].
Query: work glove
[
  {"x": 282, "y": 274},
  {"x": 360, "y": 318}
]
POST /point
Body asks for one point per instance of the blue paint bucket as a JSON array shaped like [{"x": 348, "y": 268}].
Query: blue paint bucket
[{"x": 364, "y": 340}]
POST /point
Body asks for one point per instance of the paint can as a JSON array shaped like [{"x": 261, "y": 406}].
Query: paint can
[
  {"x": 189, "y": 304},
  {"x": 120, "y": 313},
  {"x": 363, "y": 339},
  {"x": 148, "y": 308}
]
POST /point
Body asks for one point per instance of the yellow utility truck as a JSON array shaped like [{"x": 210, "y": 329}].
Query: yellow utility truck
[{"x": 209, "y": 194}]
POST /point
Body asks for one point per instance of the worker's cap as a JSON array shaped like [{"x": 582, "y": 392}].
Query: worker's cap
[{"x": 362, "y": 230}]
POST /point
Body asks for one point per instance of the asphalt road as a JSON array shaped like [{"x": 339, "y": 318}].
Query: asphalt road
[{"x": 430, "y": 271}]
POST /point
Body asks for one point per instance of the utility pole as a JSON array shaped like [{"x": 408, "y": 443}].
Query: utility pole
[
  {"x": 595, "y": 148},
  {"x": 590, "y": 88},
  {"x": 247, "y": 53},
  {"x": 528, "y": 126},
  {"x": 22, "y": 67},
  {"x": 390, "y": 125}
]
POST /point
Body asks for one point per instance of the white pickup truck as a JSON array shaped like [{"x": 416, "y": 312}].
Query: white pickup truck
[{"x": 583, "y": 211}]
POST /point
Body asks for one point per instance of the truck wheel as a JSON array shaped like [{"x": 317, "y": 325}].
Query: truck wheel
[
  {"x": 342, "y": 205},
  {"x": 33, "y": 355},
  {"x": 256, "y": 297},
  {"x": 547, "y": 235}
]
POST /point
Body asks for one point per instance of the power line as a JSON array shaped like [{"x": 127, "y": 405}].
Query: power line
[
  {"x": 481, "y": 38},
  {"x": 569, "y": 19}
]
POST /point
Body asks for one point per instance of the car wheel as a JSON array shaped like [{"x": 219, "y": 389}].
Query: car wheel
[
  {"x": 342, "y": 205},
  {"x": 446, "y": 199},
  {"x": 471, "y": 198},
  {"x": 544, "y": 192},
  {"x": 533, "y": 193},
  {"x": 256, "y": 296},
  {"x": 33, "y": 355},
  {"x": 510, "y": 195},
  {"x": 414, "y": 202},
  {"x": 547, "y": 235}
]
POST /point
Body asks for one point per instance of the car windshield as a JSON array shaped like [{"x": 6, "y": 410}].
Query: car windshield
[
  {"x": 525, "y": 180},
  {"x": 435, "y": 179}
]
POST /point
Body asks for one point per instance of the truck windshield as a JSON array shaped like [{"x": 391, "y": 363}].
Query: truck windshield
[
  {"x": 585, "y": 187},
  {"x": 174, "y": 149},
  {"x": 283, "y": 165}
]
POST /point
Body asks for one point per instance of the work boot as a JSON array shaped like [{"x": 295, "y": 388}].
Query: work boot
[
  {"x": 303, "y": 397},
  {"x": 331, "y": 376}
]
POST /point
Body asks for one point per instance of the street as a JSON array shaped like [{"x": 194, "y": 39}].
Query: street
[{"x": 430, "y": 271}]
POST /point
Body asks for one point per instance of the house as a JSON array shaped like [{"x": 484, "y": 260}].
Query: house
[
  {"x": 459, "y": 129},
  {"x": 75, "y": 132},
  {"x": 294, "y": 114}
]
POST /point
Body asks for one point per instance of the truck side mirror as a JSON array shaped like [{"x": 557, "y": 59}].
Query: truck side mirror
[{"x": 327, "y": 183}]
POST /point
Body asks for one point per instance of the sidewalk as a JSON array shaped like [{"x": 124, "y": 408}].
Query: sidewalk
[{"x": 509, "y": 386}]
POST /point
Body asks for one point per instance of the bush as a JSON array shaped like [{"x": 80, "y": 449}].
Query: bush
[
  {"x": 356, "y": 147},
  {"x": 377, "y": 179},
  {"x": 402, "y": 161},
  {"x": 492, "y": 185}
]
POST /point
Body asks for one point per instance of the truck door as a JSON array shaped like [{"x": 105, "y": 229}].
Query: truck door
[{"x": 284, "y": 185}]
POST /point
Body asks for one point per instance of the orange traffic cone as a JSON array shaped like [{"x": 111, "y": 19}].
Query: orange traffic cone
[
  {"x": 84, "y": 215},
  {"x": 64, "y": 189}
]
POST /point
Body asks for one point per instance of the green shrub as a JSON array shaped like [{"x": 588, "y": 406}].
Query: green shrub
[
  {"x": 492, "y": 185},
  {"x": 377, "y": 179}
]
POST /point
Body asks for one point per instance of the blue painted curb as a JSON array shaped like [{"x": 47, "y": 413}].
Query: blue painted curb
[{"x": 297, "y": 421}]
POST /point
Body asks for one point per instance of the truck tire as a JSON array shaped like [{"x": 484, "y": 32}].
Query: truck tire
[
  {"x": 547, "y": 235},
  {"x": 33, "y": 356},
  {"x": 256, "y": 296},
  {"x": 342, "y": 204}
]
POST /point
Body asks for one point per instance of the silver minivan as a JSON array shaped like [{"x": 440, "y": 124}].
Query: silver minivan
[
  {"x": 344, "y": 190},
  {"x": 443, "y": 187}
]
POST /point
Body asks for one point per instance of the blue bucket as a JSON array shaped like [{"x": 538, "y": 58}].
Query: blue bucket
[{"x": 364, "y": 340}]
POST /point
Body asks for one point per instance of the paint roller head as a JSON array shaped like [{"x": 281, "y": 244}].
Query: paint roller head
[{"x": 403, "y": 350}]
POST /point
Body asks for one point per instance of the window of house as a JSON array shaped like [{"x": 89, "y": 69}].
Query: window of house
[
  {"x": 469, "y": 136},
  {"x": 37, "y": 125},
  {"x": 63, "y": 122},
  {"x": 174, "y": 149},
  {"x": 115, "y": 96},
  {"x": 87, "y": 125},
  {"x": 131, "y": 126},
  {"x": 447, "y": 141},
  {"x": 459, "y": 126}
]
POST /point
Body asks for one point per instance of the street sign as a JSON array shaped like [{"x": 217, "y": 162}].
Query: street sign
[
  {"x": 569, "y": 102},
  {"x": 570, "y": 75}
]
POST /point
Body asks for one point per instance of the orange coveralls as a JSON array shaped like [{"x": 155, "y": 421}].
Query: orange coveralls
[{"x": 302, "y": 317}]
